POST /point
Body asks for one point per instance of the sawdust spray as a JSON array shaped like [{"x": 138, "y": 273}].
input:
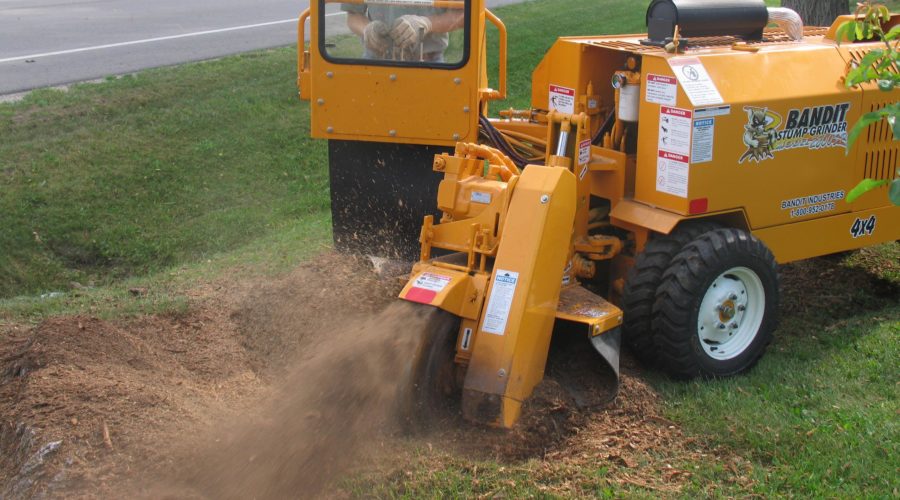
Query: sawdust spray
[{"x": 329, "y": 408}]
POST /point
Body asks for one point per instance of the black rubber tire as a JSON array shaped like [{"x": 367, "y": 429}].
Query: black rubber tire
[
  {"x": 684, "y": 284},
  {"x": 643, "y": 280}
]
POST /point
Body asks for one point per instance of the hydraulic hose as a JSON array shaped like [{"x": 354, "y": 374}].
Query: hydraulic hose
[{"x": 500, "y": 142}]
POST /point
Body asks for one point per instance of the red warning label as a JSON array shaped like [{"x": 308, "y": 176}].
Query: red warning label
[{"x": 426, "y": 287}]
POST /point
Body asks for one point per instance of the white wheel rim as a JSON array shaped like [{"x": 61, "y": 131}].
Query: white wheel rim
[{"x": 731, "y": 313}]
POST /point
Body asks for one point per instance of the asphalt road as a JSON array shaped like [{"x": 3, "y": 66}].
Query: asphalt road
[{"x": 54, "y": 42}]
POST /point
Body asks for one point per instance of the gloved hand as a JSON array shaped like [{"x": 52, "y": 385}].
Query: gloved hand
[
  {"x": 409, "y": 30},
  {"x": 376, "y": 37}
]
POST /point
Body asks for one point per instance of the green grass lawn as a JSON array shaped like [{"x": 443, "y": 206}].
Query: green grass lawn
[
  {"x": 141, "y": 173},
  {"x": 179, "y": 174},
  {"x": 819, "y": 415}
]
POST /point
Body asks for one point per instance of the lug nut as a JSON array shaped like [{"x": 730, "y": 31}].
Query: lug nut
[
  {"x": 734, "y": 326},
  {"x": 721, "y": 326},
  {"x": 733, "y": 297},
  {"x": 742, "y": 308}
]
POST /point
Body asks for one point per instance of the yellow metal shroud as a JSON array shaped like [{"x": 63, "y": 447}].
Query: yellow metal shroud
[{"x": 517, "y": 319}]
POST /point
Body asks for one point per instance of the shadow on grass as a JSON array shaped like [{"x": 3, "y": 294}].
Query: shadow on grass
[
  {"x": 827, "y": 288},
  {"x": 819, "y": 296}
]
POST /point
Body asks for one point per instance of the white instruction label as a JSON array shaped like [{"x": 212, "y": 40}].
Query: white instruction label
[
  {"x": 584, "y": 152},
  {"x": 672, "y": 173},
  {"x": 695, "y": 81},
  {"x": 562, "y": 99},
  {"x": 502, "y": 293},
  {"x": 675, "y": 130},
  {"x": 479, "y": 197},
  {"x": 703, "y": 140},
  {"x": 431, "y": 282},
  {"x": 662, "y": 89}
]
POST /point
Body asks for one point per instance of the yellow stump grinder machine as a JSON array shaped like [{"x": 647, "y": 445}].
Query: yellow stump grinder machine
[{"x": 647, "y": 194}]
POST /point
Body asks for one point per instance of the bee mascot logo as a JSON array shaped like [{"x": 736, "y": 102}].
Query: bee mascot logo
[
  {"x": 810, "y": 128},
  {"x": 759, "y": 134}
]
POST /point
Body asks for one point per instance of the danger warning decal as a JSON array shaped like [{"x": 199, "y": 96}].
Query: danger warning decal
[
  {"x": 426, "y": 287},
  {"x": 662, "y": 89},
  {"x": 584, "y": 153},
  {"x": 562, "y": 99},
  {"x": 766, "y": 132},
  {"x": 673, "y": 162}
]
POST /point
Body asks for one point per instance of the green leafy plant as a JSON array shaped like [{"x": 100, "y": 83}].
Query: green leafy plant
[{"x": 880, "y": 65}]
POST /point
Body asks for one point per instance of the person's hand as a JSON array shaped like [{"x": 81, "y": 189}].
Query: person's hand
[
  {"x": 376, "y": 37},
  {"x": 409, "y": 30}
]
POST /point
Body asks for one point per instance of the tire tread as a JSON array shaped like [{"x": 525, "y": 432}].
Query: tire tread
[
  {"x": 678, "y": 292},
  {"x": 642, "y": 283}
]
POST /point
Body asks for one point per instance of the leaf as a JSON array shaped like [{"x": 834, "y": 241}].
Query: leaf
[
  {"x": 895, "y": 126},
  {"x": 894, "y": 192},
  {"x": 866, "y": 120},
  {"x": 855, "y": 76},
  {"x": 864, "y": 187},
  {"x": 843, "y": 32},
  {"x": 894, "y": 33},
  {"x": 846, "y": 32},
  {"x": 871, "y": 57}
]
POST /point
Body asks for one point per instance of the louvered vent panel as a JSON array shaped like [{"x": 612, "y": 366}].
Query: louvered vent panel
[
  {"x": 858, "y": 54},
  {"x": 882, "y": 152}
]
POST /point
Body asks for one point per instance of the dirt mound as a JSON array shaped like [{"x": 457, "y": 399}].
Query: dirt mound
[
  {"x": 261, "y": 390},
  {"x": 83, "y": 401},
  {"x": 107, "y": 395},
  {"x": 339, "y": 400},
  {"x": 127, "y": 395},
  {"x": 633, "y": 439}
]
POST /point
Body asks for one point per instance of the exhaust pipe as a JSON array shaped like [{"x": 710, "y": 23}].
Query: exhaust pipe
[{"x": 788, "y": 20}]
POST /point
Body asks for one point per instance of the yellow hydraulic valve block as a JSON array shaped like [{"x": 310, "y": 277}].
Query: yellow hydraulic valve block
[{"x": 517, "y": 318}]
